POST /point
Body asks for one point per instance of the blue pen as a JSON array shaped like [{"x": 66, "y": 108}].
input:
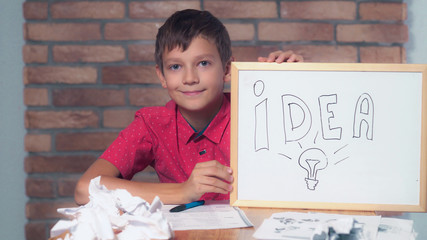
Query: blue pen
[{"x": 183, "y": 207}]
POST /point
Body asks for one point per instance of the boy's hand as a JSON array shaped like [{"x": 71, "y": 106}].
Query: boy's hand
[
  {"x": 280, "y": 56},
  {"x": 206, "y": 177}
]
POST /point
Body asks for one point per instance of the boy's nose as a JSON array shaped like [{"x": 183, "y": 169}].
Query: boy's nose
[{"x": 191, "y": 77}]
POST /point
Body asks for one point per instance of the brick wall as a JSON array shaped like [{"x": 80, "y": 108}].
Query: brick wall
[{"x": 90, "y": 66}]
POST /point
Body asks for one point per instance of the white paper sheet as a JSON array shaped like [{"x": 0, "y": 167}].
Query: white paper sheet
[
  {"x": 294, "y": 225},
  {"x": 212, "y": 215},
  {"x": 396, "y": 229}
]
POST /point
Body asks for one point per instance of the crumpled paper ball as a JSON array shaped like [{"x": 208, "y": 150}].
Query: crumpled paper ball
[{"x": 113, "y": 215}]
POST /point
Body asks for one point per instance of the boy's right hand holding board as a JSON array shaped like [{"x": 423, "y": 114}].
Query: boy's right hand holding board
[{"x": 280, "y": 57}]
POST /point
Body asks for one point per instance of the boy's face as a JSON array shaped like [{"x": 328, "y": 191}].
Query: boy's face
[{"x": 195, "y": 78}]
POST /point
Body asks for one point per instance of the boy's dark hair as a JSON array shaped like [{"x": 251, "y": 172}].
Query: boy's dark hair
[{"x": 183, "y": 26}]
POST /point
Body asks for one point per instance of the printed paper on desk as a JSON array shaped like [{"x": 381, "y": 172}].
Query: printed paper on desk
[
  {"x": 212, "y": 215},
  {"x": 396, "y": 229},
  {"x": 293, "y": 225}
]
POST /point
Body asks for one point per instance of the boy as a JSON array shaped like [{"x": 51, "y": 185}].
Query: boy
[{"x": 187, "y": 141}]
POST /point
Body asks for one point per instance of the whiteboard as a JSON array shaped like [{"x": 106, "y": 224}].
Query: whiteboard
[{"x": 329, "y": 136}]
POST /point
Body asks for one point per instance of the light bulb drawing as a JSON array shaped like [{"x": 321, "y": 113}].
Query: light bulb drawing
[{"x": 312, "y": 160}]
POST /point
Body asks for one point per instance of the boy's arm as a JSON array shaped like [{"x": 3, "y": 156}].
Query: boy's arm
[
  {"x": 101, "y": 168},
  {"x": 280, "y": 56},
  {"x": 206, "y": 177},
  {"x": 168, "y": 193}
]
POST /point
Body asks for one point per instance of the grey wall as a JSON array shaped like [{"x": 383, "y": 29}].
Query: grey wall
[
  {"x": 416, "y": 47},
  {"x": 416, "y": 50},
  {"x": 12, "y": 131}
]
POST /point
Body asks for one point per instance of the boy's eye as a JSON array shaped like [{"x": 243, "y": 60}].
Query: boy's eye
[
  {"x": 204, "y": 63},
  {"x": 174, "y": 67}
]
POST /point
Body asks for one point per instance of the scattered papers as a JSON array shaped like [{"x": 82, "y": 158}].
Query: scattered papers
[
  {"x": 212, "y": 215},
  {"x": 318, "y": 226},
  {"x": 396, "y": 229},
  {"x": 113, "y": 214},
  {"x": 333, "y": 228},
  {"x": 322, "y": 226}
]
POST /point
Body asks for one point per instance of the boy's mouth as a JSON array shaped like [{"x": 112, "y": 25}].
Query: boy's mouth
[{"x": 192, "y": 93}]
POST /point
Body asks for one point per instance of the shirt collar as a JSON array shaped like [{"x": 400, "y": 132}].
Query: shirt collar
[{"x": 215, "y": 129}]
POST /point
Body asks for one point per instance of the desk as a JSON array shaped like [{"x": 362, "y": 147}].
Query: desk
[{"x": 256, "y": 216}]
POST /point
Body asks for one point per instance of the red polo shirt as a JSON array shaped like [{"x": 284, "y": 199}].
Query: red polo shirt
[{"x": 162, "y": 138}]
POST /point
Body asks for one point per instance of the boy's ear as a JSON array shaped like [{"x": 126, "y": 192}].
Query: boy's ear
[
  {"x": 227, "y": 72},
  {"x": 160, "y": 76}
]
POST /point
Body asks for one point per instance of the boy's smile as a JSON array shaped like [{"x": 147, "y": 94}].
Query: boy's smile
[{"x": 195, "y": 80}]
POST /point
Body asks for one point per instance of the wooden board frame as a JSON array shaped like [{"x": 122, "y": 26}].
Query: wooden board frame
[{"x": 236, "y": 67}]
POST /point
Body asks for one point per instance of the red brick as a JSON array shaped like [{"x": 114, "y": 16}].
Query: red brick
[
  {"x": 60, "y": 119},
  {"x": 322, "y": 53},
  {"x": 66, "y": 187},
  {"x": 131, "y": 31},
  {"x": 62, "y": 31},
  {"x": 118, "y": 118},
  {"x": 242, "y": 9},
  {"x": 88, "y": 97},
  {"x": 382, "y": 55},
  {"x": 383, "y": 33},
  {"x": 35, "y": 53},
  {"x": 60, "y": 164},
  {"x": 241, "y": 32},
  {"x": 36, "y": 231},
  {"x": 68, "y": 75},
  {"x": 148, "y": 96},
  {"x": 322, "y": 10},
  {"x": 78, "y": 141},
  {"x": 36, "y": 96},
  {"x": 98, "y": 53},
  {"x": 251, "y": 53},
  {"x": 88, "y": 10},
  {"x": 129, "y": 74},
  {"x": 159, "y": 9},
  {"x": 38, "y": 143},
  {"x": 275, "y": 31},
  {"x": 383, "y": 11},
  {"x": 39, "y": 187},
  {"x": 35, "y": 10},
  {"x": 46, "y": 210},
  {"x": 141, "y": 53}
]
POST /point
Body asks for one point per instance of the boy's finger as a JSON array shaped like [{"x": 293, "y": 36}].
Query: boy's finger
[
  {"x": 287, "y": 56},
  {"x": 214, "y": 169},
  {"x": 274, "y": 56},
  {"x": 262, "y": 59},
  {"x": 298, "y": 58},
  {"x": 214, "y": 189},
  {"x": 283, "y": 57},
  {"x": 223, "y": 173},
  {"x": 292, "y": 58},
  {"x": 211, "y": 183},
  {"x": 213, "y": 163}
]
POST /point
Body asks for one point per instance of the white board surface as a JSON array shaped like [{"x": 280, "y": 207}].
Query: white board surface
[{"x": 348, "y": 137}]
